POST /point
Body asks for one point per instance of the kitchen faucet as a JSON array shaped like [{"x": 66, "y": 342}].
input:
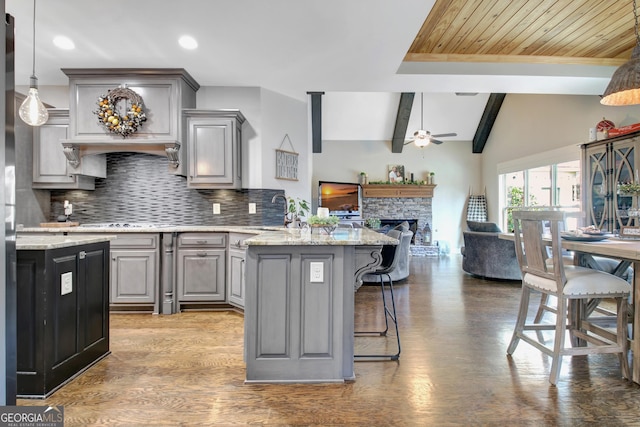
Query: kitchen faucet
[{"x": 287, "y": 221}]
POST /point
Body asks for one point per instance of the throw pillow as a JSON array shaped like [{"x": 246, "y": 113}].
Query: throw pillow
[{"x": 486, "y": 227}]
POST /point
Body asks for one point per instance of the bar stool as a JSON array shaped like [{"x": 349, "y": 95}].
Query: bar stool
[{"x": 390, "y": 256}]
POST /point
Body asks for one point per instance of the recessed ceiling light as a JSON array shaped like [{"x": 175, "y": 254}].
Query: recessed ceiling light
[
  {"x": 188, "y": 42},
  {"x": 64, "y": 42}
]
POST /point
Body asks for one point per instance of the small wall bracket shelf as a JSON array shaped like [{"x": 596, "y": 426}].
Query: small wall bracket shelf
[{"x": 397, "y": 190}]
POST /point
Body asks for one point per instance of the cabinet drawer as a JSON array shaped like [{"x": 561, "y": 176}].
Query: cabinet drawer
[
  {"x": 126, "y": 240},
  {"x": 202, "y": 239}
]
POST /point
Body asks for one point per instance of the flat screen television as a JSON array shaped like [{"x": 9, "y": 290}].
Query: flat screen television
[{"x": 343, "y": 199}]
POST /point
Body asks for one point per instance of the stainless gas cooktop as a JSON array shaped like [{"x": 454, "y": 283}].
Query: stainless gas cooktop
[{"x": 126, "y": 225}]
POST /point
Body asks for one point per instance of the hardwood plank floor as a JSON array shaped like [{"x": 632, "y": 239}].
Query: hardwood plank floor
[{"x": 188, "y": 370}]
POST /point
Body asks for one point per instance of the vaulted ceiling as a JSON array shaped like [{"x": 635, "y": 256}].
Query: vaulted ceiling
[{"x": 349, "y": 47}]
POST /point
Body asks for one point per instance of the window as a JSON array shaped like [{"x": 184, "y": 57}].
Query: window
[{"x": 556, "y": 185}]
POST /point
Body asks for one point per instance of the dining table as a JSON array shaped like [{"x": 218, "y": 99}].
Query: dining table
[{"x": 627, "y": 252}]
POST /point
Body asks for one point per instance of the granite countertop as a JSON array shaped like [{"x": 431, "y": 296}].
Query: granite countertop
[
  {"x": 55, "y": 242},
  {"x": 155, "y": 229},
  {"x": 303, "y": 237}
]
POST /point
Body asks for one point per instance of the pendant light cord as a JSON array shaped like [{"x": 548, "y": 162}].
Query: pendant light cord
[
  {"x": 34, "y": 39},
  {"x": 635, "y": 15}
]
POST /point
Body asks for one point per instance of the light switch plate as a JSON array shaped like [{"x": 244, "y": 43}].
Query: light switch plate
[
  {"x": 252, "y": 208},
  {"x": 216, "y": 208},
  {"x": 317, "y": 272},
  {"x": 66, "y": 283}
]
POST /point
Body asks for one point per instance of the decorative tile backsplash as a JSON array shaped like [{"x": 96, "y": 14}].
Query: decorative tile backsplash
[{"x": 139, "y": 188}]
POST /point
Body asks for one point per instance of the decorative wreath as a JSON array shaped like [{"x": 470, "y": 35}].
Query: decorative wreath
[{"x": 113, "y": 120}]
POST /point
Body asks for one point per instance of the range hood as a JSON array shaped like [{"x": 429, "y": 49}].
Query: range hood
[{"x": 164, "y": 92}]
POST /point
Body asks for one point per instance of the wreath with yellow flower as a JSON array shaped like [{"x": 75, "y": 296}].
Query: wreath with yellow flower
[{"x": 113, "y": 120}]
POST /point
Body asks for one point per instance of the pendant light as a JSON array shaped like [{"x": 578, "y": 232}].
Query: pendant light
[
  {"x": 32, "y": 111},
  {"x": 624, "y": 87}
]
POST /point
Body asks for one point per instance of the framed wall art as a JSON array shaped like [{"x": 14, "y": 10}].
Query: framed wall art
[
  {"x": 286, "y": 162},
  {"x": 395, "y": 173}
]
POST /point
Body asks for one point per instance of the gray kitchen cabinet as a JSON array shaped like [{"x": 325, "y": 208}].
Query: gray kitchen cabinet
[
  {"x": 237, "y": 258},
  {"x": 134, "y": 271},
  {"x": 201, "y": 267},
  {"x": 214, "y": 146},
  {"x": 51, "y": 169}
]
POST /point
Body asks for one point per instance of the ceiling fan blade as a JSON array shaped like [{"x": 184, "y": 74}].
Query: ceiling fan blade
[
  {"x": 409, "y": 142},
  {"x": 442, "y": 135},
  {"x": 436, "y": 141}
]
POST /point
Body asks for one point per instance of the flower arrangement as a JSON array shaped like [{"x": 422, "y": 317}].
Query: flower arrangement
[
  {"x": 629, "y": 189},
  {"x": 372, "y": 223},
  {"x": 113, "y": 120}
]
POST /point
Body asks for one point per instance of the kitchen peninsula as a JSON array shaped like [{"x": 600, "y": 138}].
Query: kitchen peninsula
[{"x": 299, "y": 302}]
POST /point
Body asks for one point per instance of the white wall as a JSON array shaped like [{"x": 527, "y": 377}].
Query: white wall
[
  {"x": 531, "y": 124},
  {"x": 454, "y": 165}
]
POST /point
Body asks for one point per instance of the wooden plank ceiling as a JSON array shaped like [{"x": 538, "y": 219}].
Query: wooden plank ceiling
[{"x": 586, "y": 32}]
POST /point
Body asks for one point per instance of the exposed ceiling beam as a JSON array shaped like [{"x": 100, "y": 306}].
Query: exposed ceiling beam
[
  {"x": 402, "y": 121},
  {"x": 316, "y": 121},
  {"x": 487, "y": 120}
]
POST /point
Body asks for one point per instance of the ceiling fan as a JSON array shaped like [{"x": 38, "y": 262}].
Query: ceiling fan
[{"x": 422, "y": 137}]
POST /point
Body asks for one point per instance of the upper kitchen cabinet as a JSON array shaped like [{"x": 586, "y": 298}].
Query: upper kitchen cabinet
[
  {"x": 51, "y": 170},
  {"x": 164, "y": 93},
  {"x": 214, "y": 147}
]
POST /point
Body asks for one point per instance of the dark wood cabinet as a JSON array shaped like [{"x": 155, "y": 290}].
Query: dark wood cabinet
[{"x": 62, "y": 314}]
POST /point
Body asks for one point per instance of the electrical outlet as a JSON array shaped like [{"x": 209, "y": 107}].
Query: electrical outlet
[
  {"x": 317, "y": 272},
  {"x": 252, "y": 208},
  {"x": 216, "y": 208},
  {"x": 66, "y": 283}
]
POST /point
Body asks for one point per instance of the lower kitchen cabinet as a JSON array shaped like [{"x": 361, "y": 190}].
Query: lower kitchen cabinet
[
  {"x": 135, "y": 279},
  {"x": 62, "y": 315},
  {"x": 201, "y": 267},
  {"x": 237, "y": 258}
]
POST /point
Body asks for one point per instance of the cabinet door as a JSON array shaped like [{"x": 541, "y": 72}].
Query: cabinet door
[
  {"x": 211, "y": 151},
  {"x": 51, "y": 170},
  {"x": 201, "y": 274},
  {"x": 236, "y": 276},
  {"x": 623, "y": 166},
  {"x": 133, "y": 276},
  {"x": 597, "y": 196}
]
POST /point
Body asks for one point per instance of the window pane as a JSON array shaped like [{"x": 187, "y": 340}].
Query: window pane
[{"x": 540, "y": 186}]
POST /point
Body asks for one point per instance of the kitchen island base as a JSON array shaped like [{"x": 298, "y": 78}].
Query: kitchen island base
[{"x": 299, "y": 310}]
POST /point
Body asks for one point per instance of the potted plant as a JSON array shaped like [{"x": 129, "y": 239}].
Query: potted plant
[
  {"x": 362, "y": 178},
  {"x": 432, "y": 177},
  {"x": 373, "y": 223},
  {"x": 328, "y": 224},
  {"x": 297, "y": 209}
]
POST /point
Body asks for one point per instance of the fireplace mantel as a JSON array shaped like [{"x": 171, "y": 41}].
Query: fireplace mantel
[{"x": 397, "y": 190}]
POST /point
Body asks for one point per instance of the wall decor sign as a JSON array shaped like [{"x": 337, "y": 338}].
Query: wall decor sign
[{"x": 286, "y": 161}]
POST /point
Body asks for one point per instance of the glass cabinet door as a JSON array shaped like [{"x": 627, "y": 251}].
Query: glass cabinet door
[
  {"x": 597, "y": 187},
  {"x": 623, "y": 172}
]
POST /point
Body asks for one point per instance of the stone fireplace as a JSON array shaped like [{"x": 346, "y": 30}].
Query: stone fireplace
[{"x": 396, "y": 203}]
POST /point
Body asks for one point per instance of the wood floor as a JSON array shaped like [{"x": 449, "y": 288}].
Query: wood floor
[{"x": 187, "y": 370}]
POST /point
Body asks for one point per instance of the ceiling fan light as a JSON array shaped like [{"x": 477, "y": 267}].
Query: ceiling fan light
[
  {"x": 421, "y": 138},
  {"x": 624, "y": 87}
]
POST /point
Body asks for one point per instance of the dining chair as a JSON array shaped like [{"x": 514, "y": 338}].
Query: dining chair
[
  {"x": 390, "y": 258},
  {"x": 572, "y": 286}
]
